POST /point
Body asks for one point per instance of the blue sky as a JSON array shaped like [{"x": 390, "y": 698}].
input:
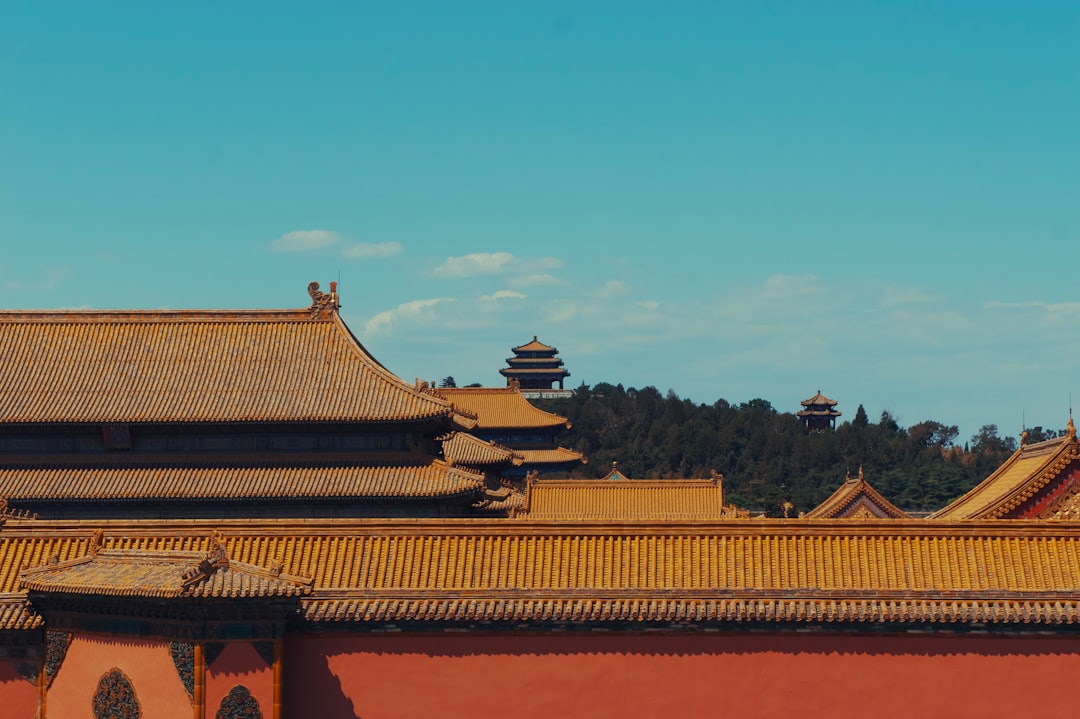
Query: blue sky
[{"x": 736, "y": 200}]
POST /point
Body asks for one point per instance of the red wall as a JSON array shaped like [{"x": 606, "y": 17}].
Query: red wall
[
  {"x": 239, "y": 663},
  {"x": 18, "y": 697},
  {"x": 148, "y": 664},
  {"x": 673, "y": 676}
]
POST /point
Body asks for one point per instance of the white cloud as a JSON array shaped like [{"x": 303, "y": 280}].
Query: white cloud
[
  {"x": 1053, "y": 308},
  {"x": 407, "y": 311},
  {"x": 370, "y": 250},
  {"x": 493, "y": 263},
  {"x": 610, "y": 290},
  {"x": 892, "y": 296},
  {"x": 503, "y": 295},
  {"x": 534, "y": 280},
  {"x": 305, "y": 240}
]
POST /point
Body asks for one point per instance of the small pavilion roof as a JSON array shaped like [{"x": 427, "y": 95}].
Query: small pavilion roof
[
  {"x": 1019, "y": 479},
  {"x": 856, "y": 499},
  {"x": 534, "y": 346},
  {"x": 198, "y": 366},
  {"x": 501, "y": 408},
  {"x": 818, "y": 399},
  {"x": 162, "y": 575}
]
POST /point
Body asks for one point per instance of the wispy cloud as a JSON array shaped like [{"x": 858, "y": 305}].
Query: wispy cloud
[
  {"x": 503, "y": 295},
  {"x": 370, "y": 250},
  {"x": 305, "y": 240},
  {"x": 412, "y": 311},
  {"x": 1054, "y": 308},
  {"x": 493, "y": 263},
  {"x": 535, "y": 280},
  {"x": 611, "y": 289}
]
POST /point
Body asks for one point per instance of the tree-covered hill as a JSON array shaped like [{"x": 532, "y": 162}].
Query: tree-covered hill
[{"x": 767, "y": 457}]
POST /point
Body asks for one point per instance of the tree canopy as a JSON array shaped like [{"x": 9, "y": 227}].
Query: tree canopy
[{"x": 767, "y": 457}]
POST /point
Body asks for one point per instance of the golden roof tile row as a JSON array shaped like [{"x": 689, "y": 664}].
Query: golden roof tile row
[
  {"x": 196, "y": 366},
  {"x": 887, "y": 570},
  {"x": 238, "y": 483},
  {"x": 606, "y": 499},
  {"x": 554, "y": 455}
]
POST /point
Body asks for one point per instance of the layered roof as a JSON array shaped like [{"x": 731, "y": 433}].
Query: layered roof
[
  {"x": 196, "y": 366},
  {"x": 237, "y": 484},
  {"x": 856, "y": 499},
  {"x": 551, "y": 456},
  {"x": 501, "y": 408},
  {"x": 467, "y": 449},
  {"x": 818, "y": 400},
  {"x": 1025, "y": 474},
  {"x": 813, "y": 571}
]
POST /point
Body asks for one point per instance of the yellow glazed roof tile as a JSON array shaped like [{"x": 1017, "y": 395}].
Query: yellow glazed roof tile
[
  {"x": 501, "y": 408},
  {"x": 1027, "y": 471},
  {"x": 196, "y": 366},
  {"x": 435, "y": 479}
]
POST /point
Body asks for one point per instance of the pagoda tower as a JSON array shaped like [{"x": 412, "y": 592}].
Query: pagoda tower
[
  {"x": 534, "y": 366},
  {"x": 818, "y": 413}
]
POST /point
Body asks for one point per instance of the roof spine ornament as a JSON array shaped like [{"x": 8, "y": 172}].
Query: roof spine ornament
[{"x": 322, "y": 304}]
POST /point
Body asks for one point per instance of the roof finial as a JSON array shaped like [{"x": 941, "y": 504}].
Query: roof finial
[
  {"x": 860, "y": 473},
  {"x": 1071, "y": 428}
]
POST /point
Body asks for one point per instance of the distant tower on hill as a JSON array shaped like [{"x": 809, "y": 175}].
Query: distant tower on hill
[
  {"x": 818, "y": 413},
  {"x": 535, "y": 369}
]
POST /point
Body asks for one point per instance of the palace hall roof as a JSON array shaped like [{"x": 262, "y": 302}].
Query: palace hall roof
[
  {"x": 856, "y": 499},
  {"x": 231, "y": 484},
  {"x": 679, "y": 500},
  {"x": 789, "y": 571},
  {"x": 501, "y": 408},
  {"x": 184, "y": 366},
  {"x": 1016, "y": 482}
]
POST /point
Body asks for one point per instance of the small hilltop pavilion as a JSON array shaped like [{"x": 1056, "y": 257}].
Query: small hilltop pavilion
[
  {"x": 818, "y": 413},
  {"x": 535, "y": 369},
  {"x": 242, "y": 514}
]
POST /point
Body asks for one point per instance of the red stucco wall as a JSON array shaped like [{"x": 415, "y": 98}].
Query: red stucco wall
[
  {"x": 239, "y": 663},
  {"x": 147, "y": 664},
  {"x": 670, "y": 676},
  {"x": 18, "y": 697}
]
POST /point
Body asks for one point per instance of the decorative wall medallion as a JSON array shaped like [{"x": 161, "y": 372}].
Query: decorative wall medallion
[
  {"x": 239, "y": 704},
  {"x": 115, "y": 697},
  {"x": 183, "y": 656}
]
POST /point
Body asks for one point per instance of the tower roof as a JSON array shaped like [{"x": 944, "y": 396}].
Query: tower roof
[
  {"x": 817, "y": 400},
  {"x": 534, "y": 346}
]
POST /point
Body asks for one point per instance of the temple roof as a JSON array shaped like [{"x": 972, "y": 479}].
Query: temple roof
[
  {"x": 157, "y": 366},
  {"x": 534, "y": 346},
  {"x": 162, "y": 574},
  {"x": 467, "y": 449},
  {"x": 679, "y": 500},
  {"x": 501, "y": 408},
  {"x": 1017, "y": 480},
  {"x": 856, "y": 499},
  {"x": 818, "y": 399},
  {"x": 812, "y": 571},
  {"x": 231, "y": 484}
]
